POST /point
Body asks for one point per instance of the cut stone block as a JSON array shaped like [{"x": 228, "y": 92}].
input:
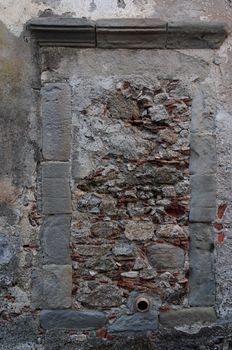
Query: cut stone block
[
  {"x": 201, "y": 236},
  {"x": 56, "y": 121},
  {"x": 201, "y": 277},
  {"x": 52, "y": 287},
  {"x": 203, "y": 120},
  {"x": 55, "y": 235},
  {"x": 187, "y": 316},
  {"x": 56, "y": 194},
  {"x": 165, "y": 256},
  {"x": 203, "y": 191},
  {"x": 69, "y": 319},
  {"x": 198, "y": 214},
  {"x": 203, "y": 154}
]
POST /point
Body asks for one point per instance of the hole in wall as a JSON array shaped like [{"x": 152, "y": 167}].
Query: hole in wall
[{"x": 142, "y": 304}]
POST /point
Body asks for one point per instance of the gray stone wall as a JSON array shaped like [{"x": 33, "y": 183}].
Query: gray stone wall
[{"x": 51, "y": 192}]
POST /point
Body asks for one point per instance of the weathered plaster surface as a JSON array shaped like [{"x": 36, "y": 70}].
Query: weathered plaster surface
[{"x": 15, "y": 13}]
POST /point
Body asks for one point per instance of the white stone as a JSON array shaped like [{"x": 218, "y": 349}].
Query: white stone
[{"x": 130, "y": 274}]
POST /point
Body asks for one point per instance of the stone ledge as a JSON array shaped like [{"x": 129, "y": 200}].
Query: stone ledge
[
  {"x": 130, "y": 33},
  {"x": 188, "y": 316},
  {"x": 58, "y": 31},
  {"x": 69, "y": 319},
  {"x": 195, "y": 35}
]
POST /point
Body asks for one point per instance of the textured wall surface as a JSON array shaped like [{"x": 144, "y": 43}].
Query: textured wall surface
[{"x": 129, "y": 230}]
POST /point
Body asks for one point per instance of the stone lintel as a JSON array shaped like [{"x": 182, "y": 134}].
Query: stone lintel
[
  {"x": 58, "y": 31},
  {"x": 129, "y": 33}
]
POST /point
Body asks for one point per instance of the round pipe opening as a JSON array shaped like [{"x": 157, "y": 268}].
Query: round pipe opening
[{"x": 142, "y": 304}]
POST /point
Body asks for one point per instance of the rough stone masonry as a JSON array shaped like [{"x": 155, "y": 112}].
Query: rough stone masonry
[{"x": 115, "y": 181}]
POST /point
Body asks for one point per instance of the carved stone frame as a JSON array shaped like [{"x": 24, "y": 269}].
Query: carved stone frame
[{"x": 55, "y": 169}]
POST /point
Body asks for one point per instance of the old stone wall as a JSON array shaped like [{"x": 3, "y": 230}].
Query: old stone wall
[{"x": 115, "y": 184}]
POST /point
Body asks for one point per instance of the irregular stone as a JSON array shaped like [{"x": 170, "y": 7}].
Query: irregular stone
[
  {"x": 203, "y": 158},
  {"x": 130, "y": 274},
  {"x": 89, "y": 203},
  {"x": 92, "y": 250},
  {"x": 56, "y": 120},
  {"x": 69, "y": 319},
  {"x": 122, "y": 108},
  {"x": 169, "y": 191},
  {"x": 165, "y": 175},
  {"x": 123, "y": 249},
  {"x": 182, "y": 188},
  {"x": 139, "y": 264},
  {"x": 104, "y": 264},
  {"x": 9, "y": 261},
  {"x": 168, "y": 136},
  {"x": 148, "y": 273},
  {"x": 203, "y": 192},
  {"x": 21, "y": 299},
  {"x": 52, "y": 287},
  {"x": 158, "y": 113},
  {"x": 164, "y": 256},
  {"x": 104, "y": 296},
  {"x": 139, "y": 230},
  {"x": 172, "y": 231},
  {"x": 55, "y": 236},
  {"x": 105, "y": 230},
  {"x": 138, "y": 322},
  {"x": 6, "y": 252},
  {"x": 56, "y": 194},
  {"x": 188, "y": 316},
  {"x": 7, "y": 212}
]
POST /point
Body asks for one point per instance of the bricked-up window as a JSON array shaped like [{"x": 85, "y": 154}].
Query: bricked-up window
[
  {"x": 131, "y": 198},
  {"x": 117, "y": 177}
]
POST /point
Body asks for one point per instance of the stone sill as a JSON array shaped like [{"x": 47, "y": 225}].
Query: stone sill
[
  {"x": 127, "y": 33},
  {"x": 137, "y": 322}
]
